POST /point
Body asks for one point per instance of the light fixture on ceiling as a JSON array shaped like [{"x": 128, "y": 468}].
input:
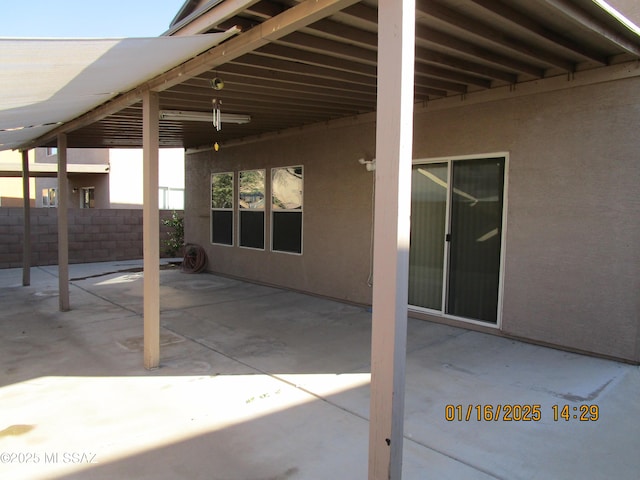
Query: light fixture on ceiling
[
  {"x": 217, "y": 83},
  {"x": 217, "y": 114},
  {"x": 190, "y": 116}
]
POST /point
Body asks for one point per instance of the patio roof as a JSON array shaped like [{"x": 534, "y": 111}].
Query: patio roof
[
  {"x": 296, "y": 64},
  {"x": 47, "y": 82}
]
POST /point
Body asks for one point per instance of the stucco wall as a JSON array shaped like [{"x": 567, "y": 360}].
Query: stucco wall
[
  {"x": 573, "y": 229},
  {"x": 336, "y": 218}
]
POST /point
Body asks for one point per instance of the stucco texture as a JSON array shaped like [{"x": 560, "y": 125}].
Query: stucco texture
[{"x": 572, "y": 231}]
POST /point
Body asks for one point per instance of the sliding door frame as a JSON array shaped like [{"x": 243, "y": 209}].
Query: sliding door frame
[{"x": 447, "y": 245}]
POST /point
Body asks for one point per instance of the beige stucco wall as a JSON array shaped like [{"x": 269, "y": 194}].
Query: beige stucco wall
[
  {"x": 572, "y": 268},
  {"x": 336, "y": 218},
  {"x": 573, "y": 230}
]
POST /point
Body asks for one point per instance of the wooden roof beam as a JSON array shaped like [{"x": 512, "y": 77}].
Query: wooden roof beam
[
  {"x": 272, "y": 63},
  {"x": 318, "y": 59},
  {"x": 430, "y": 56},
  {"x": 287, "y": 22},
  {"x": 240, "y": 82},
  {"x": 426, "y": 81},
  {"x": 204, "y": 20},
  {"x": 452, "y": 43},
  {"x": 490, "y": 34},
  {"x": 526, "y": 23},
  {"x": 451, "y": 75},
  {"x": 312, "y": 43},
  {"x": 580, "y": 16},
  {"x": 265, "y": 74},
  {"x": 344, "y": 33}
]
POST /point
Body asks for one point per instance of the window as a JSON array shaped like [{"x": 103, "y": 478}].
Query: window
[
  {"x": 222, "y": 208},
  {"x": 286, "y": 209},
  {"x": 49, "y": 197},
  {"x": 251, "y": 198},
  {"x": 52, "y": 151},
  {"x": 87, "y": 199}
]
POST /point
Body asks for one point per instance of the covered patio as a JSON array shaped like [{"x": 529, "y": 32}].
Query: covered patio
[
  {"x": 306, "y": 66},
  {"x": 257, "y": 382}
]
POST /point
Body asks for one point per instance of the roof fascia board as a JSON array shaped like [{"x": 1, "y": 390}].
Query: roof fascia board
[
  {"x": 290, "y": 20},
  {"x": 182, "y": 13},
  {"x": 211, "y": 15}
]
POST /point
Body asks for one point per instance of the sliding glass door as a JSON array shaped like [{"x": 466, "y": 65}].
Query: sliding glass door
[
  {"x": 428, "y": 223},
  {"x": 456, "y": 237}
]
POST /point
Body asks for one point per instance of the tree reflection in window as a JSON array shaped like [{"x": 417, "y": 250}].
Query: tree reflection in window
[
  {"x": 251, "y": 189},
  {"x": 251, "y": 203},
  {"x": 222, "y": 208},
  {"x": 286, "y": 209},
  {"x": 222, "y": 190}
]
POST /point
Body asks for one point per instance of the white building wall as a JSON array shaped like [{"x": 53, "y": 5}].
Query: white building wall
[{"x": 125, "y": 179}]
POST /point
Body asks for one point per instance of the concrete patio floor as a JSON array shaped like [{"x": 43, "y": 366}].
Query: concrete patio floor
[{"x": 258, "y": 383}]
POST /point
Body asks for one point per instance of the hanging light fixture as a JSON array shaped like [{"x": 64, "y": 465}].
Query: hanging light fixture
[
  {"x": 217, "y": 115},
  {"x": 191, "y": 116}
]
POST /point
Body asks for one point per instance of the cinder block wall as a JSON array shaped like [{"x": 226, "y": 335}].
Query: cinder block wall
[{"x": 95, "y": 235}]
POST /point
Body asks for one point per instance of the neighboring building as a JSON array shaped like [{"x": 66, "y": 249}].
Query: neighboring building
[
  {"x": 98, "y": 178},
  {"x": 125, "y": 179},
  {"x": 10, "y": 183},
  {"x": 88, "y": 174}
]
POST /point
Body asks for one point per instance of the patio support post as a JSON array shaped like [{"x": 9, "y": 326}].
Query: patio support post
[
  {"x": 394, "y": 142},
  {"x": 26, "y": 232},
  {"x": 151, "y": 229},
  {"x": 63, "y": 224}
]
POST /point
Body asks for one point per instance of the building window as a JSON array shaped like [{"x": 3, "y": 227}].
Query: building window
[
  {"x": 51, "y": 151},
  {"x": 251, "y": 198},
  {"x": 171, "y": 198},
  {"x": 49, "y": 197},
  {"x": 286, "y": 209},
  {"x": 87, "y": 197},
  {"x": 222, "y": 208}
]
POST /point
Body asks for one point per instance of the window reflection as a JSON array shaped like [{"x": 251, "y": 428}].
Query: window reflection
[
  {"x": 287, "y": 188},
  {"x": 251, "y": 193},
  {"x": 222, "y": 190}
]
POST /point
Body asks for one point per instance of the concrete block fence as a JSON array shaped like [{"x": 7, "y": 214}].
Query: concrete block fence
[{"x": 95, "y": 235}]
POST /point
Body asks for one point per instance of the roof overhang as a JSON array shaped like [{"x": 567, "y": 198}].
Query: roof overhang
[
  {"x": 47, "y": 82},
  {"x": 297, "y": 64}
]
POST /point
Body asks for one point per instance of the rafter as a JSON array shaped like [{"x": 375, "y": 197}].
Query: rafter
[
  {"x": 450, "y": 42},
  {"x": 277, "y": 27},
  {"x": 587, "y": 21},
  {"x": 526, "y": 23},
  {"x": 451, "y": 17}
]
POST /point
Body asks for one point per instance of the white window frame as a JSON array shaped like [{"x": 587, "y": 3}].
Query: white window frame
[
  {"x": 263, "y": 210},
  {"x": 217, "y": 209},
  {"x": 301, "y": 211}
]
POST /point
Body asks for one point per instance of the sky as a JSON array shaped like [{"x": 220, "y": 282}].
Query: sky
[{"x": 87, "y": 18}]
